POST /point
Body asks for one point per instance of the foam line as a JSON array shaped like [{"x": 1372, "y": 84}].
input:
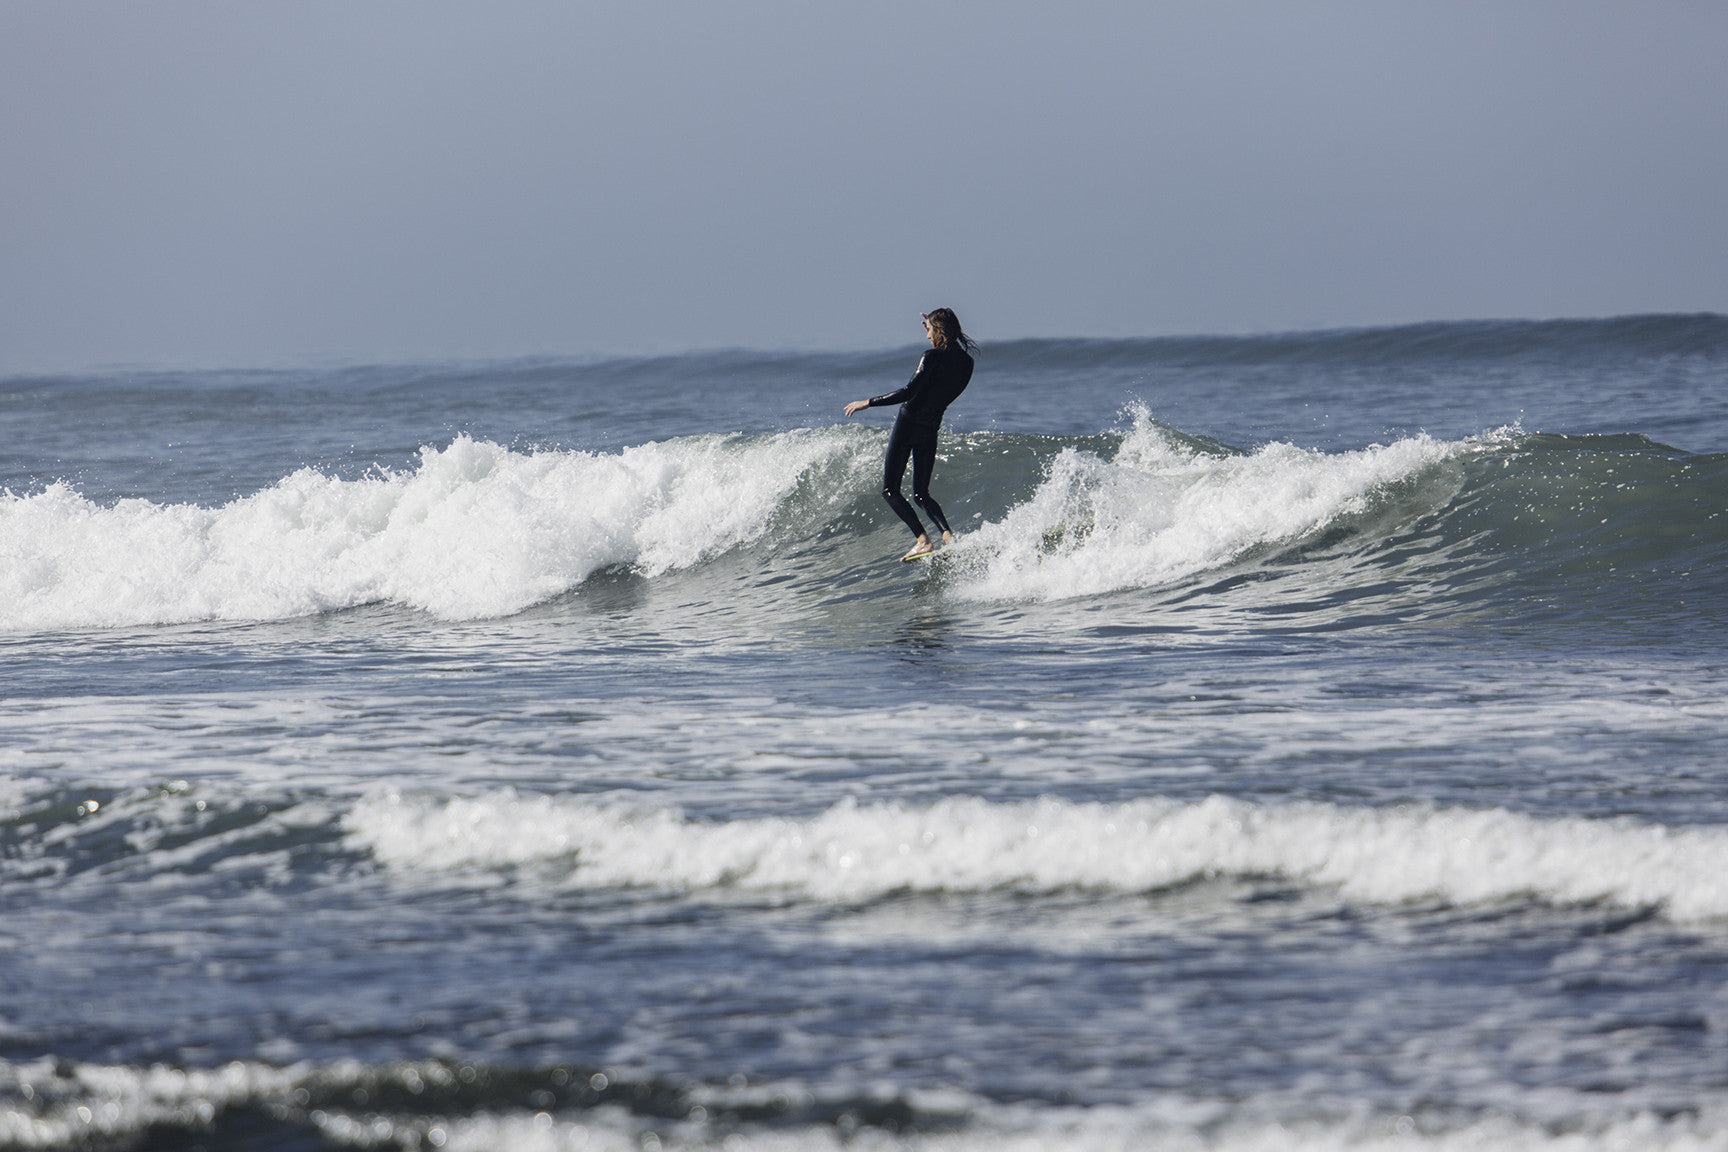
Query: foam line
[{"x": 968, "y": 844}]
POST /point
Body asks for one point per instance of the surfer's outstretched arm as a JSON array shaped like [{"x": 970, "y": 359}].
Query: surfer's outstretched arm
[{"x": 912, "y": 387}]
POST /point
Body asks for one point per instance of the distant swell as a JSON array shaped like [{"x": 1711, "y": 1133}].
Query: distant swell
[{"x": 969, "y": 845}]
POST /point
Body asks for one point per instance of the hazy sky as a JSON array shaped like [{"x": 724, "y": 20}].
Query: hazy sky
[{"x": 231, "y": 184}]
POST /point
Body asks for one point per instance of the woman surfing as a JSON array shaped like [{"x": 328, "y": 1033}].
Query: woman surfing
[{"x": 943, "y": 373}]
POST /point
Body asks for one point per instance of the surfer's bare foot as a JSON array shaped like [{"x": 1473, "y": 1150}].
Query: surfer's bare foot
[
  {"x": 922, "y": 548},
  {"x": 947, "y": 538}
]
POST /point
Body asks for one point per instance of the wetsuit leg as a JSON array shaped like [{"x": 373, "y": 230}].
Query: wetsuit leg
[
  {"x": 894, "y": 468},
  {"x": 923, "y": 464}
]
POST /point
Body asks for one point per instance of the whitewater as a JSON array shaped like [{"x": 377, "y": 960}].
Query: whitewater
[
  {"x": 1311, "y": 742},
  {"x": 477, "y": 530}
]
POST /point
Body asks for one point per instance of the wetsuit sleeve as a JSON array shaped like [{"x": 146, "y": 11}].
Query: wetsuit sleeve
[{"x": 911, "y": 389}]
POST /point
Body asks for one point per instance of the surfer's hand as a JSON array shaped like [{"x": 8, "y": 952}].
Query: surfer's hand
[{"x": 857, "y": 406}]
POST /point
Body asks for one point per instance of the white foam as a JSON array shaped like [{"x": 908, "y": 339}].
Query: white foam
[
  {"x": 95, "y": 1102},
  {"x": 1080, "y": 1130},
  {"x": 475, "y": 530},
  {"x": 1159, "y": 511},
  {"x": 48, "y": 1105},
  {"x": 969, "y": 844}
]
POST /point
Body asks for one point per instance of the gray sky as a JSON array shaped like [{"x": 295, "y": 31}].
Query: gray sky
[{"x": 233, "y": 184}]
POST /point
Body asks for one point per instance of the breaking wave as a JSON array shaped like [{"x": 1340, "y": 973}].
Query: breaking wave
[
  {"x": 856, "y": 852},
  {"x": 1162, "y": 509},
  {"x": 478, "y": 530}
]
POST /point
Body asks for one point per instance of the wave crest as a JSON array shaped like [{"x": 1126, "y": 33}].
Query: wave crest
[
  {"x": 1161, "y": 510},
  {"x": 969, "y": 844},
  {"x": 475, "y": 530}
]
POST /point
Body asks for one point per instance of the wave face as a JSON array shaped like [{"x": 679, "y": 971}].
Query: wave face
[{"x": 854, "y": 852}]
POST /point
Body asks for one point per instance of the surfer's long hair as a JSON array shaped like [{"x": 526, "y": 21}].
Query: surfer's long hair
[{"x": 946, "y": 327}]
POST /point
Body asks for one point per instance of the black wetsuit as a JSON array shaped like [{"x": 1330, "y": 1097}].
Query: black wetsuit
[{"x": 942, "y": 375}]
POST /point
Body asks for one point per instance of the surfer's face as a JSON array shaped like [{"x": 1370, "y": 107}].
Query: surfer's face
[{"x": 930, "y": 330}]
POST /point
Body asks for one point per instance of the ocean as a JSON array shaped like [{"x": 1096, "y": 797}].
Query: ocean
[{"x": 1312, "y": 741}]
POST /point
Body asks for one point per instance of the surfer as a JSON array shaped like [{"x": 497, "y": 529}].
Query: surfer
[{"x": 943, "y": 373}]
